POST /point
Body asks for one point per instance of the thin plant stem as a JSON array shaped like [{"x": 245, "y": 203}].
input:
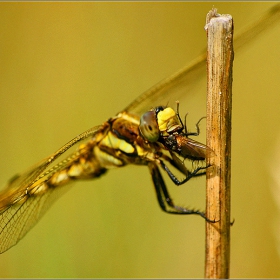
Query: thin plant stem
[{"x": 219, "y": 104}]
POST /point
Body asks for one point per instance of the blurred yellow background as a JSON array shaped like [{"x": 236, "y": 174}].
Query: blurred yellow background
[{"x": 66, "y": 67}]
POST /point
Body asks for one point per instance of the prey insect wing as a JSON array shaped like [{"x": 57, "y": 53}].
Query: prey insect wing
[{"x": 194, "y": 150}]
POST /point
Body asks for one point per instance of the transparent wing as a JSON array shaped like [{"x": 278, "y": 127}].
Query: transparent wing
[
  {"x": 180, "y": 83},
  {"x": 171, "y": 88},
  {"x": 19, "y": 218},
  {"x": 193, "y": 149},
  {"x": 19, "y": 210}
]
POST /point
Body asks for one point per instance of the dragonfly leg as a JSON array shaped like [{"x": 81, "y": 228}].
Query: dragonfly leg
[
  {"x": 189, "y": 175},
  {"x": 185, "y": 124},
  {"x": 164, "y": 198},
  {"x": 197, "y": 128}
]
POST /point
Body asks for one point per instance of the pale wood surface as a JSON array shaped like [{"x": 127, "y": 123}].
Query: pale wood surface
[{"x": 219, "y": 102}]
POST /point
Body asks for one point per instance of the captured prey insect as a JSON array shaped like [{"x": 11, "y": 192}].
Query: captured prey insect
[{"x": 156, "y": 139}]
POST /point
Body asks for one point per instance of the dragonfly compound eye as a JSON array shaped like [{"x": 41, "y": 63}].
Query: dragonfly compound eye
[{"x": 149, "y": 126}]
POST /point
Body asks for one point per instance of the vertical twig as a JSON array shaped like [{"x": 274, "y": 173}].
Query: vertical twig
[{"x": 219, "y": 96}]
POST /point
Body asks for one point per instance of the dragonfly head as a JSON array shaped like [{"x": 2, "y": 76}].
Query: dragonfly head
[
  {"x": 161, "y": 121},
  {"x": 149, "y": 127},
  {"x": 168, "y": 122}
]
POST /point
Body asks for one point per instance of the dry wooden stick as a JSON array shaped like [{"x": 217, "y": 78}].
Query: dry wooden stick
[{"x": 219, "y": 92}]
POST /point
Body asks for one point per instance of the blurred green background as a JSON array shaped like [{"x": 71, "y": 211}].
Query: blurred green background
[{"x": 66, "y": 67}]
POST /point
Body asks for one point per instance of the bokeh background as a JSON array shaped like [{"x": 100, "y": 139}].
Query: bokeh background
[{"x": 66, "y": 67}]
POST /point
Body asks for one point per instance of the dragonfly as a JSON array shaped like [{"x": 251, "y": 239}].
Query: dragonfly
[
  {"x": 123, "y": 139},
  {"x": 155, "y": 137}
]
